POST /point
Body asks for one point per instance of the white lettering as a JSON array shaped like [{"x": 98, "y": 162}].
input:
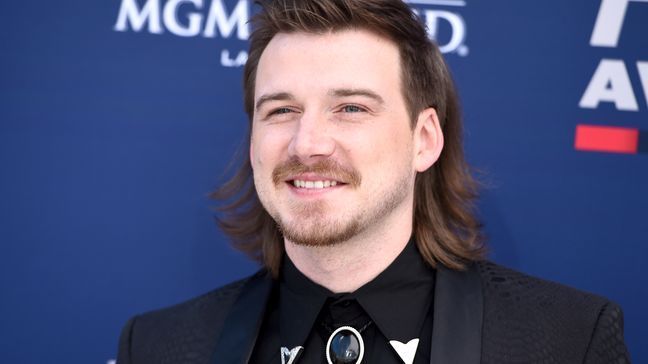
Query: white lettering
[
  {"x": 610, "y": 83},
  {"x": 643, "y": 76},
  {"x": 129, "y": 13},
  {"x": 227, "y": 61},
  {"x": 609, "y": 21},
  {"x": 171, "y": 19},
  {"x": 218, "y": 17},
  {"x": 457, "y": 25}
]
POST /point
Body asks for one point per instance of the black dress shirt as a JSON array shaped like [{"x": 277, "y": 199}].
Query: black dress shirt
[{"x": 396, "y": 305}]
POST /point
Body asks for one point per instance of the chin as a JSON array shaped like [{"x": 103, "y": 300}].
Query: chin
[{"x": 320, "y": 233}]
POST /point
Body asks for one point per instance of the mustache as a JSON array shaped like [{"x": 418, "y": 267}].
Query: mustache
[{"x": 325, "y": 167}]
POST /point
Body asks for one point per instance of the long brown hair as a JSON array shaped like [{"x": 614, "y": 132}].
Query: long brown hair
[{"x": 445, "y": 228}]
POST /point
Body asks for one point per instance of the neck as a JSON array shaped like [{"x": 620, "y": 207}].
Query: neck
[{"x": 347, "y": 266}]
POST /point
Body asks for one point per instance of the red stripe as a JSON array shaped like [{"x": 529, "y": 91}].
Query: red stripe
[{"x": 606, "y": 139}]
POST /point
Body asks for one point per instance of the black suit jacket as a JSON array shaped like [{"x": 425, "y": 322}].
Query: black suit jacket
[{"x": 486, "y": 314}]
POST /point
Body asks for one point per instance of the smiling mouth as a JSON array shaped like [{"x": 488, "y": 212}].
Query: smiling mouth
[{"x": 314, "y": 184}]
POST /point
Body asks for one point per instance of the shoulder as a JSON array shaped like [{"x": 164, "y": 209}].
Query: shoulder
[
  {"x": 545, "y": 319},
  {"x": 176, "y": 333},
  {"x": 507, "y": 286},
  {"x": 198, "y": 310}
]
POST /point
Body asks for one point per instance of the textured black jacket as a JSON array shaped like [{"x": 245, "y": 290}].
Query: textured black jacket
[{"x": 487, "y": 314}]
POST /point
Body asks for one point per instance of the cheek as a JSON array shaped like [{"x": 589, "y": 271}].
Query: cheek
[
  {"x": 254, "y": 149},
  {"x": 257, "y": 147},
  {"x": 266, "y": 148},
  {"x": 393, "y": 145}
]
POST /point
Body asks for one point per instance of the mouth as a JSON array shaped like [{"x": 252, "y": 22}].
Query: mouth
[
  {"x": 314, "y": 180},
  {"x": 314, "y": 184}
]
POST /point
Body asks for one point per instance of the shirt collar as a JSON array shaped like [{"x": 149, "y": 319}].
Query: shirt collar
[
  {"x": 397, "y": 300},
  {"x": 300, "y": 301}
]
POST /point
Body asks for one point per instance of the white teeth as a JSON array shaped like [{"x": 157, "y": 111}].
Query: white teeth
[{"x": 314, "y": 184}]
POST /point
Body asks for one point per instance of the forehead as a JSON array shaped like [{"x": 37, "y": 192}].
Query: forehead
[{"x": 296, "y": 62}]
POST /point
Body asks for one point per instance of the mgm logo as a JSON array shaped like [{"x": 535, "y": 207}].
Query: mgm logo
[{"x": 221, "y": 19}]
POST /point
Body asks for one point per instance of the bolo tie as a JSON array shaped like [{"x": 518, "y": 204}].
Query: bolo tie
[{"x": 345, "y": 344}]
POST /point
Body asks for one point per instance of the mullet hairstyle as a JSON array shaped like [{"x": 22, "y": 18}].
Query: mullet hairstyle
[{"x": 445, "y": 228}]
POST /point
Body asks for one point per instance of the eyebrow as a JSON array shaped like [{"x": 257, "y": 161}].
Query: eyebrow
[
  {"x": 277, "y": 96},
  {"x": 346, "y": 92},
  {"x": 339, "y": 92}
]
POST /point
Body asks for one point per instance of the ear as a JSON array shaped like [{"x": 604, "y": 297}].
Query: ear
[{"x": 428, "y": 140}]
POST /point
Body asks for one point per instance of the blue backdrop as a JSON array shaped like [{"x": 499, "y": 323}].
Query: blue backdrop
[{"x": 117, "y": 118}]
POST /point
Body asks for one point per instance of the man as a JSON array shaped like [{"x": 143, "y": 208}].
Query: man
[{"x": 360, "y": 211}]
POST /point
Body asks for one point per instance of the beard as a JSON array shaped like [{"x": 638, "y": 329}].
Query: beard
[
  {"x": 317, "y": 229},
  {"x": 315, "y": 223}
]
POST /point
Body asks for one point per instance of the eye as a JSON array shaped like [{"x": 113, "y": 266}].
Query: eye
[
  {"x": 352, "y": 109},
  {"x": 281, "y": 110}
]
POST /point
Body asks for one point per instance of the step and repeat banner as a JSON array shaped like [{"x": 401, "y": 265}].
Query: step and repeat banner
[{"x": 118, "y": 117}]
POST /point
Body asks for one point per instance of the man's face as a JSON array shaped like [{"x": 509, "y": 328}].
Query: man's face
[{"x": 332, "y": 148}]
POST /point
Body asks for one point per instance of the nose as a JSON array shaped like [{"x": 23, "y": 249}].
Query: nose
[{"x": 312, "y": 138}]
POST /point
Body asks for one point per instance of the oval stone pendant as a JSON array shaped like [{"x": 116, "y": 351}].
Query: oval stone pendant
[{"x": 345, "y": 346}]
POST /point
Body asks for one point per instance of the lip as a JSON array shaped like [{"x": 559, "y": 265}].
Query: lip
[
  {"x": 313, "y": 177},
  {"x": 312, "y": 192}
]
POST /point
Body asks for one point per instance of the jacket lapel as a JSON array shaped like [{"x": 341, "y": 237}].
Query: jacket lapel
[
  {"x": 458, "y": 310},
  {"x": 242, "y": 325}
]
